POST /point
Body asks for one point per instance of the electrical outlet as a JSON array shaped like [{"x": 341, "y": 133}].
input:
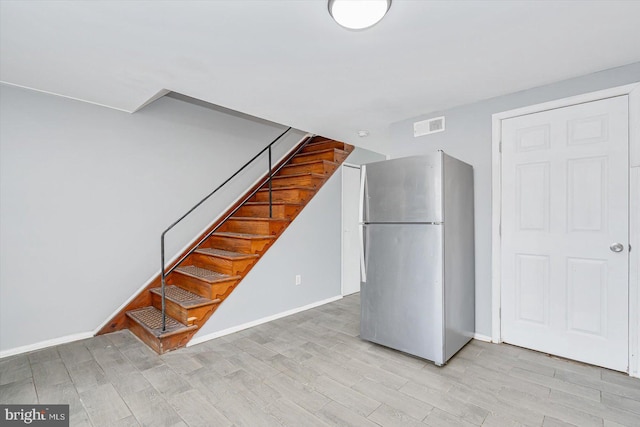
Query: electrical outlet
[{"x": 298, "y": 279}]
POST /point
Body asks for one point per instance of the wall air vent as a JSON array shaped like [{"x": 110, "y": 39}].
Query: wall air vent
[{"x": 427, "y": 127}]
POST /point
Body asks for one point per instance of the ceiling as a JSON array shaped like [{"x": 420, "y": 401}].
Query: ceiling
[{"x": 288, "y": 62}]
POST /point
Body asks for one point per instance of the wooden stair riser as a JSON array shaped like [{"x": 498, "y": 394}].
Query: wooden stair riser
[
  {"x": 278, "y": 211},
  {"x": 183, "y": 314},
  {"x": 323, "y": 145},
  {"x": 319, "y": 138},
  {"x": 221, "y": 265},
  {"x": 234, "y": 244},
  {"x": 334, "y": 155},
  {"x": 254, "y": 226},
  {"x": 145, "y": 336},
  {"x": 200, "y": 287},
  {"x": 323, "y": 167},
  {"x": 159, "y": 345},
  {"x": 294, "y": 195},
  {"x": 306, "y": 180}
]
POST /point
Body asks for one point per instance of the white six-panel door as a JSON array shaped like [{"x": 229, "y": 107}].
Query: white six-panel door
[{"x": 565, "y": 193}]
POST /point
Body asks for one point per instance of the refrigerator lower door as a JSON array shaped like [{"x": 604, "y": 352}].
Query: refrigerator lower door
[{"x": 402, "y": 299}]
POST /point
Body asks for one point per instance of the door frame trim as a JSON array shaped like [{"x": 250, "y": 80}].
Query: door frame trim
[
  {"x": 633, "y": 92},
  {"x": 352, "y": 166}
]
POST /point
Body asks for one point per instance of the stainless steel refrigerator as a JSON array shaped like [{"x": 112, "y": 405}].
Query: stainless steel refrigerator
[{"x": 417, "y": 258}]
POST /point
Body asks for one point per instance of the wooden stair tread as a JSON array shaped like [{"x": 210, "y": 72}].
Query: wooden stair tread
[
  {"x": 323, "y": 145},
  {"x": 183, "y": 297},
  {"x": 245, "y": 236},
  {"x": 150, "y": 318},
  {"x": 296, "y": 175},
  {"x": 258, "y": 218},
  {"x": 204, "y": 274},
  {"x": 320, "y": 140},
  {"x": 311, "y": 153},
  {"x": 312, "y": 162},
  {"x": 221, "y": 253},
  {"x": 289, "y": 187},
  {"x": 273, "y": 203}
]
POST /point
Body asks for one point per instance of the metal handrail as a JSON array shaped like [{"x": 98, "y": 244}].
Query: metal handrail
[{"x": 164, "y": 273}]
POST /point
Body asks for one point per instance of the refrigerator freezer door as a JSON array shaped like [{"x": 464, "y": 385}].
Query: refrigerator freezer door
[
  {"x": 401, "y": 301},
  {"x": 403, "y": 190}
]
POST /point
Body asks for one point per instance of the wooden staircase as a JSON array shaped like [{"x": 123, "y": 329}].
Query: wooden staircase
[{"x": 200, "y": 283}]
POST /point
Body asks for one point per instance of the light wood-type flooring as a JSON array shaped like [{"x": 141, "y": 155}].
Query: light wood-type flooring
[{"x": 311, "y": 369}]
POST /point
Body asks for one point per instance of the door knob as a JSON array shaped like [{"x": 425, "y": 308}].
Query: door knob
[{"x": 616, "y": 247}]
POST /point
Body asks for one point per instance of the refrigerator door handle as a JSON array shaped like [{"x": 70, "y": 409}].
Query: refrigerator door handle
[
  {"x": 363, "y": 266},
  {"x": 363, "y": 174}
]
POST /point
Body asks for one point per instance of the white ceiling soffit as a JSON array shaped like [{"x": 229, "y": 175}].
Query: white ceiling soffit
[{"x": 289, "y": 62}]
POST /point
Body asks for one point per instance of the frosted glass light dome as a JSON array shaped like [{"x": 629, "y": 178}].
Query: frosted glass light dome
[{"x": 358, "y": 14}]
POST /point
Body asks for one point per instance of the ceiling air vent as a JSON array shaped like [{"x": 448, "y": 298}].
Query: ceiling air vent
[{"x": 427, "y": 127}]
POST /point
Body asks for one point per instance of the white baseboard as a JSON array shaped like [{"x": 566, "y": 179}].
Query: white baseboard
[
  {"x": 207, "y": 337},
  {"x": 47, "y": 343},
  {"x": 481, "y": 337}
]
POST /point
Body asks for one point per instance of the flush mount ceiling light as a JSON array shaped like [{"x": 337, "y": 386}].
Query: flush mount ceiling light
[{"x": 358, "y": 14}]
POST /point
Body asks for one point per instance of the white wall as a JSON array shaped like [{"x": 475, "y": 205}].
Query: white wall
[
  {"x": 360, "y": 156},
  {"x": 468, "y": 137},
  {"x": 85, "y": 192}
]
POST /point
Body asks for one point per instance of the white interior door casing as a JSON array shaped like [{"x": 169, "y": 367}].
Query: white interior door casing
[
  {"x": 565, "y": 201},
  {"x": 350, "y": 237}
]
